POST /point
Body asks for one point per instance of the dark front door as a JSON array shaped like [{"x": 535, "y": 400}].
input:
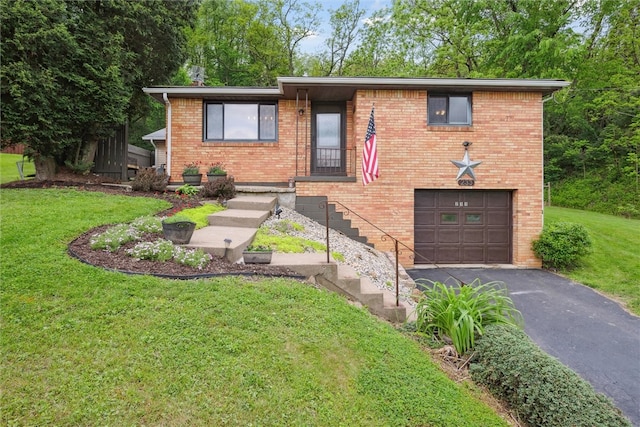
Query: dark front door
[
  {"x": 462, "y": 226},
  {"x": 328, "y": 139}
]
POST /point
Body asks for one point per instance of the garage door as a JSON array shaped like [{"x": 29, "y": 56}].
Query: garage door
[{"x": 462, "y": 226}]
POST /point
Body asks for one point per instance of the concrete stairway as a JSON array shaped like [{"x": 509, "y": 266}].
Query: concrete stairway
[
  {"x": 344, "y": 280},
  {"x": 238, "y": 225},
  {"x": 313, "y": 207}
]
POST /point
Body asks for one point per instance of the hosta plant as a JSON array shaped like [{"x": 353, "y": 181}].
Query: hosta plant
[{"x": 462, "y": 311}]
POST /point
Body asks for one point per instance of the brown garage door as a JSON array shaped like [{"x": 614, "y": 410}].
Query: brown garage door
[{"x": 462, "y": 226}]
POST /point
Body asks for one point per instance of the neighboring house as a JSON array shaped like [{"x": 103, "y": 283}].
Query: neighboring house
[
  {"x": 158, "y": 140},
  {"x": 484, "y": 209}
]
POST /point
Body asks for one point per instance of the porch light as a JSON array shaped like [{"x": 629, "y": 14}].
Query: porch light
[{"x": 301, "y": 112}]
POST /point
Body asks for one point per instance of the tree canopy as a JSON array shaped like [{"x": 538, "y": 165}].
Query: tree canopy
[{"x": 72, "y": 71}]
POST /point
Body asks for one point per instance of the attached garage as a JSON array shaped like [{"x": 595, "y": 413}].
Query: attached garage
[{"x": 462, "y": 226}]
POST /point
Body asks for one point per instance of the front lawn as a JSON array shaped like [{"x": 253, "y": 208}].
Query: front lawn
[
  {"x": 84, "y": 346},
  {"x": 614, "y": 265}
]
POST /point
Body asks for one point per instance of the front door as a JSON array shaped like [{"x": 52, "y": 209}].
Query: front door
[{"x": 328, "y": 139}]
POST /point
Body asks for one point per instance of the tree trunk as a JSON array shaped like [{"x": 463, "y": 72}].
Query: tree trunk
[
  {"x": 45, "y": 168},
  {"x": 88, "y": 151}
]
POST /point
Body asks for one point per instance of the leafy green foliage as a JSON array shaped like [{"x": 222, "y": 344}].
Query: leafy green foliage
[
  {"x": 462, "y": 312},
  {"x": 561, "y": 245},
  {"x": 535, "y": 385},
  {"x": 220, "y": 189},
  {"x": 71, "y": 71},
  {"x": 280, "y": 239},
  {"x": 187, "y": 190},
  {"x": 89, "y": 346},
  {"x": 148, "y": 179},
  {"x": 598, "y": 194}
]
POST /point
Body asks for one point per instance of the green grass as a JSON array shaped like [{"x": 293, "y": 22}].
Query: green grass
[
  {"x": 280, "y": 241},
  {"x": 85, "y": 346},
  {"x": 613, "y": 267},
  {"x": 9, "y": 170}
]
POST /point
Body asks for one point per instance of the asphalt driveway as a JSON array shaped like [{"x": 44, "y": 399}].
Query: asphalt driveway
[{"x": 587, "y": 332}]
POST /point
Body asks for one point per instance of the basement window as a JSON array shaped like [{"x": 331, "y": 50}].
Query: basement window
[
  {"x": 449, "y": 109},
  {"x": 240, "y": 121}
]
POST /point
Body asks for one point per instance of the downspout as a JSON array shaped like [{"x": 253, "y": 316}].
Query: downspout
[
  {"x": 549, "y": 98},
  {"x": 168, "y": 136},
  {"x": 155, "y": 153}
]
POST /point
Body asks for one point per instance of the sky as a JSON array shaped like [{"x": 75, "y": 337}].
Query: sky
[{"x": 316, "y": 43}]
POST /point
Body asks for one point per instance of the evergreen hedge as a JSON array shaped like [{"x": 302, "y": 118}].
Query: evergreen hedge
[{"x": 537, "y": 386}]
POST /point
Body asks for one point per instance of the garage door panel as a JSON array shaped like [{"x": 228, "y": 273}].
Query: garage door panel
[
  {"x": 448, "y": 235},
  {"x": 473, "y": 254},
  {"x": 425, "y": 235},
  {"x": 497, "y": 236},
  {"x": 463, "y": 226},
  {"x": 473, "y": 235},
  {"x": 448, "y": 254},
  {"x": 498, "y": 218},
  {"x": 498, "y": 254}
]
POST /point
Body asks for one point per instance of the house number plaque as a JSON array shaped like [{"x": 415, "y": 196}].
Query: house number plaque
[{"x": 466, "y": 182}]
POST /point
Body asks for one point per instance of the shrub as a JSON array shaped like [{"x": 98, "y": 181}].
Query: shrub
[
  {"x": 537, "y": 386},
  {"x": 221, "y": 189},
  {"x": 148, "y": 179},
  {"x": 461, "y": 312},
  {"x": 562, "y": 244}
]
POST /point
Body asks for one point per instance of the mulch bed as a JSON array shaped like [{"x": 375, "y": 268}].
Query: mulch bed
[{"x": 119, "y": 260}]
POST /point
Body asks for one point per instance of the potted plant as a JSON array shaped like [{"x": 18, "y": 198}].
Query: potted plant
[
  {"x": 191, "y": 174},
  {"x": 216, "y": 171},
  {"x": 178, "y": 229},
  {"x": 257, "y": 254}
]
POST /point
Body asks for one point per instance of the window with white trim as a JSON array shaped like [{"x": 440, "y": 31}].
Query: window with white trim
[
  {"x": 449, "y": 109},
  {"x": 226, "y": 121}
]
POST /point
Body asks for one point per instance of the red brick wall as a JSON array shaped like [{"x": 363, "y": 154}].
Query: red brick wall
[
  {"x": 506, "y": 137},
  {"x": 246, "y": 161}
]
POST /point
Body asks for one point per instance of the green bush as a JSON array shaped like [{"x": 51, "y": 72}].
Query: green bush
[
  {"x": 148, "y": 179},
  {"x": 540, "y": 389},
  {"x": 561, "y": 245},
  {"x": 187, "y": 190},
  {"x": 461, "y": 312},
  {"x": 220, "y": 189}
]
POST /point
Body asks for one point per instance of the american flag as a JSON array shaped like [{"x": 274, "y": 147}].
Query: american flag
[{"x": 370, "y": 170}]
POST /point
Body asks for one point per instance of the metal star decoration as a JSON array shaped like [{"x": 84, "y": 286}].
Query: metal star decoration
[{"x": 466, "y": 166}]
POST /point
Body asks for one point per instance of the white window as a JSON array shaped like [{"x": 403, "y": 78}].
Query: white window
[
  {"x": 240, "y": 121},
  {"x": 453, "y": 109}
]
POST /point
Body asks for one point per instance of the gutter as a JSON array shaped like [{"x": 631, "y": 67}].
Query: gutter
[{"x": 168, "y": 136}]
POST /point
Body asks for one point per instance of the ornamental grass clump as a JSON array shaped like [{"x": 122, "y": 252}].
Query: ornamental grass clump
[{"x": 461, "y": 312}]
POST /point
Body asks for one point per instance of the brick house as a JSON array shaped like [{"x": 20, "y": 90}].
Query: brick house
[{"x": 484, "y": 209}]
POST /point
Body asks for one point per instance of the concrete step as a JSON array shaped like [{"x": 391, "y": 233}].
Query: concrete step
[
  {"x": 238, "y": 218},
  {"x": 256, "y": 203},
  {"x": 212, "y": 240},
  {"x": 348, "y": 280}
]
